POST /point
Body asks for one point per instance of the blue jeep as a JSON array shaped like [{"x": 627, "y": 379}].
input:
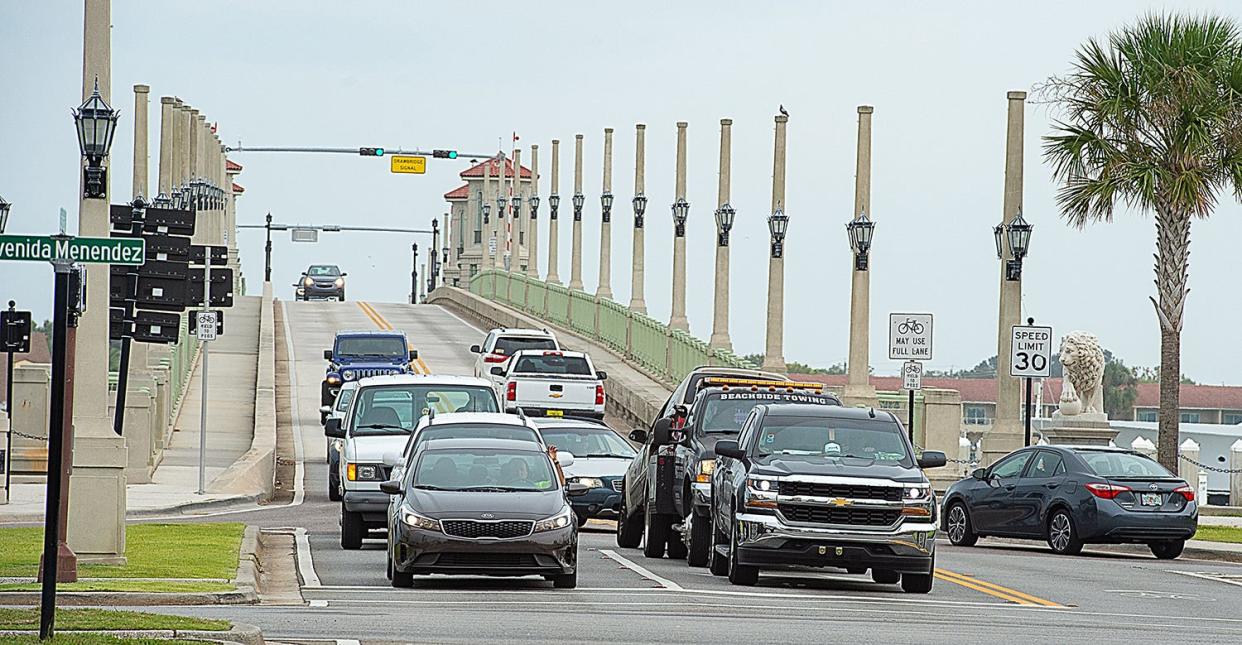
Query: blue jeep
[{"x": 359, "y": 354}]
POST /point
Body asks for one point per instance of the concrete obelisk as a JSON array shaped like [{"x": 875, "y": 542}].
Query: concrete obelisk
[
  {"x": 720, "y": 307},
  {"x": 858, "y": 389},
  {"x": 575, "y": 266},
  {"x": 774, "y": 347},
  {"x": 638, "y": 302},
  {"x": 532, "y": 238},
  {"x": 605, "y": 226},
  {"x": 554, "y": 274},
  {"x": 678, "y": 318}
]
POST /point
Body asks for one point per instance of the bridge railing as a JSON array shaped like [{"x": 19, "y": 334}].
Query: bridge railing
[{"x": 662, "y": 352}]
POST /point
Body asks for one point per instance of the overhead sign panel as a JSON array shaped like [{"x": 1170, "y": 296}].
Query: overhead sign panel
[
  {"x": 910, "y": 337},
  {"x": 408, "y": 165},
  {"x": 86, "y": 250},
  {"x": 304, "y": 235}
]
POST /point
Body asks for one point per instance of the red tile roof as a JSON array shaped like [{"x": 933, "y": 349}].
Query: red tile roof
[
  {"x": 477, "y": 169},
  {"x": 1203, "y": 397},
  {"x": 238, "y": 188},
  {"x": 232, "y": 166},
  {"x": 461, "y": 192}
]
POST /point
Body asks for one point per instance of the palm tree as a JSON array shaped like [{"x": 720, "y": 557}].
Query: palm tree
[{"x": 1152, "y": 120}]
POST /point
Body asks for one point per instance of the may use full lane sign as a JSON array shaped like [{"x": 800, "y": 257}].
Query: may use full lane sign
[
  {"x": 910, "y": 337},
  {"x": 86, "y": 250}
]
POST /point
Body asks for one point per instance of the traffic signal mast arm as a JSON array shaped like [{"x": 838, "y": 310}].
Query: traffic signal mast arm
[{"x": 366, "y": 152}]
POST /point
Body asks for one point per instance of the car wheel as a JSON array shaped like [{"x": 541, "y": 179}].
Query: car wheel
[
  {"x": 918, "y": 582},
  {"x": 885, "y": 576},
  {"x": 699, "y": 527},
  {"x": 629, "y": 529},
  {"x": 352, "y": 530},
  {"x": 656, "y": 529},
  {"x": 718, "y": 564},
  {"x": 342, "y": 297},
  {"x": 739, "y": 574},
  {"x": 401, "y": 579},
  {"x": 961, "y": 531},
  {"x": 566, "y": 580},
  {"x": 1168, "y": 549},
  {"x": 582, "y": 519},
  {"x": 1062, "y": 536},
  {"x": 388, "y": 567},
  {"x": 334, "y": 489}
]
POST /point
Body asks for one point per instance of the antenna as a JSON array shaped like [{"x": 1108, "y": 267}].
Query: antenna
[{"x": 431, "y": 415}]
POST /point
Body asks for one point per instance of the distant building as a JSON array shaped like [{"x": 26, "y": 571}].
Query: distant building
[
  {"x": 466, "y": 233},
  {"x": 39, "y": 353}
]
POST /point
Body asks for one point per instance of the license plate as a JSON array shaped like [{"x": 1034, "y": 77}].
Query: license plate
[
  {"x": 1152, "y": 499},
  {"x": 556, "y": 413}
]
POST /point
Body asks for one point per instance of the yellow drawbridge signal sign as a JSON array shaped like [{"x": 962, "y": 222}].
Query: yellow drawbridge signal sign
[{"x": 409, "y": 165}]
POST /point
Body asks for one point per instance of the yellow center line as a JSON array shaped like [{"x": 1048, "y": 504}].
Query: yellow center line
[
  {"x": 992, "y": 589},
  {"x": 419, "y": 365}
]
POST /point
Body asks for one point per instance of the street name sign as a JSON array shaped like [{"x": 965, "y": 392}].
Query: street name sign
[
  {"x": 408, "y": 165},
  {"x": 912, "y": 375},
  {"x": 304, "y": 235},
  {"x": 1030, "y": 354},
  {"x": 910, "y": 337},
  {"x": 206, "y": 325},
  {"x": 87, "y": 250}
]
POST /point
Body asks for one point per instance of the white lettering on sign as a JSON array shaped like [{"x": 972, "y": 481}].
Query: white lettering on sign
[
  {"x": 1030, "y": 354},
  {"x": 912, "y": 375},
  {"x": 910, "y": 337}
]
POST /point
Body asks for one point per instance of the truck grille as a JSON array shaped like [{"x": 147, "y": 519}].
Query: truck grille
[
  {"x": 618, "y": 484},
  {"x": 375, "y": 371},
  {"x": 474, "y": 529},
  {"x": 848, "y": 491},
  {"x": 845, "y": 516}
]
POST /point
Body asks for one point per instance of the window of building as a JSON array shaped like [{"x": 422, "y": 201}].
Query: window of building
[
  {"x": 474, "y": 270},
  {"x": 1146, "y": 415},
  {"x": 1190, "y": 417},
  {"x": 478, "y": 237},
  {"x": 521, "y": 237},
  {"x": 1232, "y": 418},
  {"x": 976, "y": 415}
]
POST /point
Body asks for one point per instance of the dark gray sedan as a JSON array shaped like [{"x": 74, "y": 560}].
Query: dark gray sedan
[
  {"x": 1071, "y": 496},
  {"x": 492, "y": 507}
]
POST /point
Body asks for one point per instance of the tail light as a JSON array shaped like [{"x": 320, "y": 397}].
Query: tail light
[
  {"x": 599, "y": 395},
  {"x": 511, "y": 391},
  {"x": 1187, "y": 492},
  {"x": 495, "y": 358},
  {"x": 553, "y": 353},
  {"x": 1106, "y": 491}
]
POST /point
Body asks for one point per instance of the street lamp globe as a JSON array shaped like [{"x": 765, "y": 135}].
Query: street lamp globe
[
  {"x": 578, "y": 200},
  {"x": 487, "y": 213},
  {"x": 860, "y": 231},
  {"x": 640, "y": 209},
  {"x": 95, "y": 122},
  {"x": 778, "y": 224},
  {"x": 554, "y": 203},
  {"x": 517, "y": 205},
  {"x": 724, "y": 222},
  {"x": 4, "y": 213},
  {"x": 501, "y": 202},
  {"x": 681, "y": 212},
  {"x": 998, "y": 232},
  {"x": 534, "y": 206},
  {"x": 1019, "y": 236},
  {"x": 435, "y": 225},
  {"x": 605, "y": 202}
]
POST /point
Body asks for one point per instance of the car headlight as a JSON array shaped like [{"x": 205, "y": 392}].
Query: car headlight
[
  {"x": 364, "y": 472},
  {"x": 558, "y": 521},
  {"x": 348, "y": 375},
  {"x": 919, "y": 502},
  {"x": 760, "y": 493},
  {"x": 589, "y": 482},
  {"x": 340, "y": 282},
  {"x": 414, "y": 520},
  {"x": 308, "y": 282},
  {"x": 703, "y": 474},
  {"x": 916, "y": 493}
]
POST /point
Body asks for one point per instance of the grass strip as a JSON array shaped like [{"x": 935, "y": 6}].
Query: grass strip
[
  {"x": 70, "y": 619},
  {"x": 151, "y": 586},
  {"x": 152, "y": 551},
  {"x": 1219, "y": 534}
]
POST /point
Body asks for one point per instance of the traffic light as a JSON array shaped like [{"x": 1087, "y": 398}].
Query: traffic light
[
  {"x": 371, "y": 152},
  {"x": 444, "y": 154}
]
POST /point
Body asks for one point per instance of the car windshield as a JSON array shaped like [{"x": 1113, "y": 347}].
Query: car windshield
[
  {"x": 588, "y": 441},
  {"x": 484, "y": 470},
  {"x": 471, "y": 431},
  {"x": 877, "y": 441},
  {"x": 509, "y": 345},
  {"x": 382, "y": 346},
  {"x": 324, "y": 270},
  {"x": 343, "y": 399},
  {"x": 394, "y": 409},
  {"x": 552, "y": 364},
  {"x": 1122, "y": 464},
  {"x": 726, "y": 411}
]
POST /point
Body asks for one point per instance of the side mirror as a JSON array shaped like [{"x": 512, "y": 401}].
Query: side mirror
[
  {"x": 391, "y": 487},
  {"x": 662, "y": 431},
  {"x": 391, "y": 459},
  {"x": 413, "y": 354},
  {"x": 932, "y": 459},
  {"x": 344, "y": 274},
  {"x": 574, "y": 489},
  {"x": 601, "y": 375},
  {"x": 980, "y": 474},
  {"x": 565, "y": 459},
  {"x": 332, "y": 428},
  {"x": 729, "y": 448},
  {"x": 475, "y": 349},
  {"x": 327, "y": 354},
  {"x": 498, "y": 371},
  {"x": 638, "y": 435}
]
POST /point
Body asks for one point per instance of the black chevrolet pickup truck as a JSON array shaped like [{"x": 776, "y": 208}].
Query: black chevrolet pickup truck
[{"x": 823, "y": 486}]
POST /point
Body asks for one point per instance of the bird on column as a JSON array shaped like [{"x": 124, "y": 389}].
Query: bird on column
[{"x": 784, "y": 112}]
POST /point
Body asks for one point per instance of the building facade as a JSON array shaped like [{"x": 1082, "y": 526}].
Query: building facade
[{"x": 471, "y": 240}]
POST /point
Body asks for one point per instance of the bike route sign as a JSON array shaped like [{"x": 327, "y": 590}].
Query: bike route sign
[
  {"x": 910, "y": 337},
  {"x": 1031, "y": 352}
]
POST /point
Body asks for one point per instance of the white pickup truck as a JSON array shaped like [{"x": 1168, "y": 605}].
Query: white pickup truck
[{"x": 552, "y": 383}]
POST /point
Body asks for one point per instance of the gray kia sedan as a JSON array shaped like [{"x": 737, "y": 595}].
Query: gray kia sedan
[{"x": 493, "y": 507}]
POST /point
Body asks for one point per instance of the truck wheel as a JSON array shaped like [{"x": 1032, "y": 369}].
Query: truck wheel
[
  {"x": 885, "y": 576},
  {"x": 676, "y": 547},
  {"x": 629, "y": 529},
  {"x": 740, "y": 574},
  {"x": 699, "y": 527},
  {"x": 352, "y": 531},
  {"x": 656, "y": 528},
  {"x": 918, "y": 582},
  {"x": 334, "y": 489},
  {"x": 718, "y": 564},
  {"x": 388, "y": 567}
]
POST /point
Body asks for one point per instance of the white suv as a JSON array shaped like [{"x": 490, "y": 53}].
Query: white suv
[
  {"x": 501, "y": 344},
  {"x": 383, "y": 413}
]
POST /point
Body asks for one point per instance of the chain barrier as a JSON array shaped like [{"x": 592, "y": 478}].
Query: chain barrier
[
  {"x": 23, "y": 435},
  {"x": 947, "y": 458},
  {"x": 1215, "y": 469}
]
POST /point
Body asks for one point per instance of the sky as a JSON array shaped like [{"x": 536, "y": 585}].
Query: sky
[{"x": 466, "y": 76}]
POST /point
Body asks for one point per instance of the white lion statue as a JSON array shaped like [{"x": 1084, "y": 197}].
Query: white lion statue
[{"x": 1082, "y": 388}]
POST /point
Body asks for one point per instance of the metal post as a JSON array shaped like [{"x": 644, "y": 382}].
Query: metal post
[
  {"x": 1028, "y": 410},
  {"x": 267, "y": 250},
  {"x": 122, "y": 384},
  {"x": 51, "y": 516},
  {"x": 202, "y": 414},
  {"x": 414, "y": 276},
  {"x": 8, "y": 402},
  {"x": 910, "y": 425}
]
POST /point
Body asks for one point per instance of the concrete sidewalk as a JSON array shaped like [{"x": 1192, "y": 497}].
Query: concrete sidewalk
[{"x": 231, "y": 426}]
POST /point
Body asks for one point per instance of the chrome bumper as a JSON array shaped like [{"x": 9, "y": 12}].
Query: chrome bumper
[{"x": 908, "y": 539}]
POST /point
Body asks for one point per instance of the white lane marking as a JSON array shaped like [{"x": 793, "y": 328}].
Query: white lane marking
[
  {"x": 299, "y": 476},
  {"x": 348, "y": 641},
  {"x": 1206, "y": 576},
  {"x": 627, "y": 563},
  {"x": 306, "y": 566},
  {"x": 462, "y": 320},
  {"x": 318, "y": 604}
]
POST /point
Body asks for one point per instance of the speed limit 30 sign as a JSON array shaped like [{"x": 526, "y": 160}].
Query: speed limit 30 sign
[{"x": 1030, "y": 354}]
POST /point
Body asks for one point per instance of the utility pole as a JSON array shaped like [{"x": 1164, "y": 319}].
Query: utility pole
[
  {"x": 267, "y": 250},
  {"x": 414, "y": 276}
]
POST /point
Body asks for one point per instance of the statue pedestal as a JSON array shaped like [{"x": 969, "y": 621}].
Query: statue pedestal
[{"x": 1090, "y": 429}]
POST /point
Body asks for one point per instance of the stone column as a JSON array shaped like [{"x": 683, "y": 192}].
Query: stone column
[
  {"x": 605, "y": 226},
  {"x": 513, "y": 224},
  {"x": 638, "y": 302},
  {"x": 488, "y": 221},
  {"x": 532, "y": 236},
  {"x": 1007, "y": 432},
  {"x": 774, "y": 347},
  {"x": 168, "y": 143},
  {"x": 498, "y": 214},
  {"x": 678, "y": 319},
  {"x": 858, "y": 389},
  {"x": 720, "y": 310},
  {"x": 554, "y": 275},
  {"x": 142, "y": 162},
  {"x": 97, "y": 499},
  {"x": 575, "y": 266}
]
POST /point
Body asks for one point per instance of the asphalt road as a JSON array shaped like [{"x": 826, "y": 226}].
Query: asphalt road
[{"x": 992, "y": 592}]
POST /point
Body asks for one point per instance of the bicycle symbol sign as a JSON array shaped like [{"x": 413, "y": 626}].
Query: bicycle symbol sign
[{"x": 910, "y": 337}]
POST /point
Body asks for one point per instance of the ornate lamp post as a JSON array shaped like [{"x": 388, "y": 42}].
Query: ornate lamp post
[
  {"x": 1018, "y": 233},
  {"x": 554, "y": 203},
  {"x": 4, "y": 213},
  {"x": 860, "y": 231},
  {"x": 681, "y": 210},
  {"x": 724, "y": 223},
  {"x": 578, "y": 201},
  {"x": 96, "y": 124},
  {"x": 640, "y": 209},
  {"x": 605, "y": 202},
  {"x": 778, "y": 224}
]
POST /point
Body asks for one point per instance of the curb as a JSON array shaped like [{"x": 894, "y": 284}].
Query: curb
[
  {"x": 1192, "y": 551},
  {"x": 244, "y": 634},
  {"x": 188, "y": 509}
]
